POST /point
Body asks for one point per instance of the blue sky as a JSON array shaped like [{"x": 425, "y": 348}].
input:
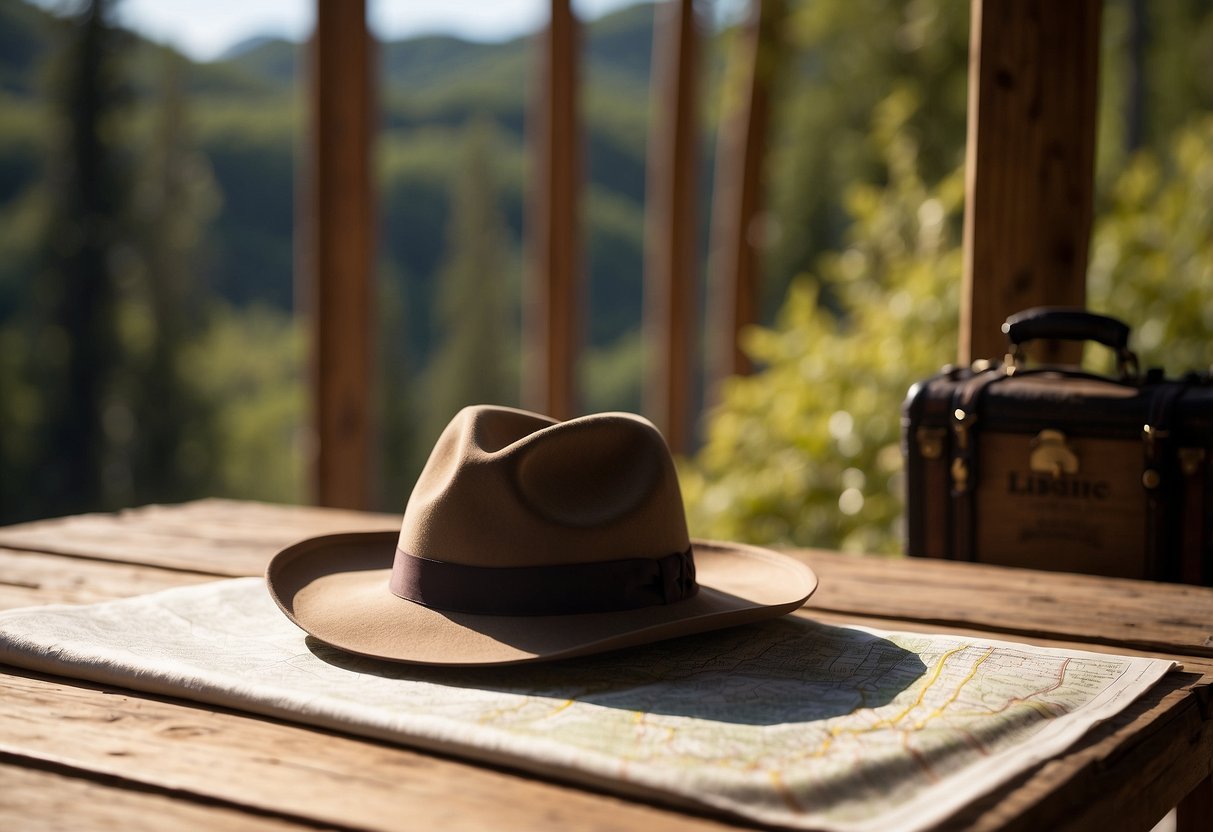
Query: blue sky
[{"x": 203, "y": 29}]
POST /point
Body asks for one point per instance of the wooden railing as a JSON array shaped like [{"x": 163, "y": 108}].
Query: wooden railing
[
  {"x": 552, "y": 311},
  {"x": 670, "y": 301},
  {"x": 1030, "y": 163},
  {"x": 1033, "y": 87},
  {"x": 335, "y": 251},
  {"x": 737, "y": 203}
]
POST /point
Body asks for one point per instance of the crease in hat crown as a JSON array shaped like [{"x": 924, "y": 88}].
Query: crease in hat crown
[
  {"x": 504, "y": 487},
  {"x": 586, "y": 518}
]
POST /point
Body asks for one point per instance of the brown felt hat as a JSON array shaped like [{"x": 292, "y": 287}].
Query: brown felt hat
[{"x": 528, "y": 539}]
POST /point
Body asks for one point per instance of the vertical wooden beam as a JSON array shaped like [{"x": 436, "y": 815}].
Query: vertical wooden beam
[
  {"x": 553, "y": 314},
  {"x": 1033, "y": 86},
  {"x": 337, "y": 253},
  {"x": 670, "y": 267},
  {"x": 737, "y": 203}
]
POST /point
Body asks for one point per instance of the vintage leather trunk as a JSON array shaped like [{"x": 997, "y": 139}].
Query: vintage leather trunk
[{"x": 1055, "y": 468}]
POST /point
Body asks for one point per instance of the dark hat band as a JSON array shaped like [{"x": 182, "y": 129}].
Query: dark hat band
[{"x": 560, "y": 589}]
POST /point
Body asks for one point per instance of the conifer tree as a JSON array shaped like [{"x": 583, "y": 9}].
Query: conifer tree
[
  {"x": 401, "y": 455},
  {"x": 115, "y": 301},
  {"x": 77, "y": 350},
  {"x": 476, "y": 299},
  {"x": 170, "y": 452}
]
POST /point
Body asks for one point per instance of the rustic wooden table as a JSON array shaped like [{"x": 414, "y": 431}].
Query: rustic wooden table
[{"x": 75, "y": 755}]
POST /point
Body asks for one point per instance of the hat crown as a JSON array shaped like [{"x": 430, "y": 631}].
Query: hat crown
[
  {"x": 528, "y": 539},
  {"x": 504, "y": 487}
]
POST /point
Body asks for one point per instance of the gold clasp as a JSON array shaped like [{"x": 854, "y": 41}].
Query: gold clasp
[
  {"x": 930, "y": 442},
  {"x": 960, "y": 475},
  {"x": 1051, "y": 455}
]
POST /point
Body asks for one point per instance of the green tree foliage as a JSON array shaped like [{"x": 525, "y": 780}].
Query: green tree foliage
[
  {"x": 251, "y": 360},
  {"x": 174, "y": 198},
  {"x": 806, "y": 451},
  {"x": 210, "y": 226},
  {"x": 400, "y": 452},
  {"x": 1155, "y": 74},
  {"x": 249, "y": 145},
  {"x": 193, "y": 245},
  {"x": 98, "y": 410},
  {"x": 1152, "y": 252},
  {"x": 612, "y": 375},
  {"x": 477, "y": 296},
  {"x": 842, "y": 57},
  {"x": 77, "y": 351},
  {"x": 21, "y": 52}
]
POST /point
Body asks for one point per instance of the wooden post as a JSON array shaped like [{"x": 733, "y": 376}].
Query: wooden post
[
  {"x": 336, "y": 249},
  {"x": 553, "y": 315},
  {"x": 1033, "y": 86},
  {"x": 736, "y": 206},
  {"x": 670, "y": 267}
]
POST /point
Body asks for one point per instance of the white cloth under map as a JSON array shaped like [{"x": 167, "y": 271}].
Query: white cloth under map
[{"x": 791, "y": 723}]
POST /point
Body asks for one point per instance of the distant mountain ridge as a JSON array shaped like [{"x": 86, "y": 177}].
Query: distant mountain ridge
[
  {"x": 245, "y": 46},
  {"x": 619, "y": 43},
  {"x": 244, "y": 116}
]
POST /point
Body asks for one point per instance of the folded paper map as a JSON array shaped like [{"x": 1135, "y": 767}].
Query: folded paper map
[{"x": 790, "y": 723}]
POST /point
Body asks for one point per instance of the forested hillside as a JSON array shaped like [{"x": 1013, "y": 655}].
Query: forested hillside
[
  {"x": 149, "y": 348},
  {"x": 243, "y": 117},
  {"x": 237, "y": 127}
]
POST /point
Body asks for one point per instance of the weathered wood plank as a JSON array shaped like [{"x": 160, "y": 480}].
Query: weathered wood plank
[
  {"x": 670, "y": 267},
  {"x": 338, "y": 250},
  {"x": 1126, "y": 774},
  {"x": 1116, "y": 778},
  {"x": 279, "y": 768},
  {"x": 268, "y": 765},
  {"x": 33, "y": 800},
  {"x": 1171, "y": 618},
  {"x": 216, "y": 537},
  {"x": 29, "y": 578},
  {"x": 1033, "y": 83},
  {"x": 737, "y": 203},
  {"x": 1144, "y": 759},
  {"x": 552, "y": 330}
]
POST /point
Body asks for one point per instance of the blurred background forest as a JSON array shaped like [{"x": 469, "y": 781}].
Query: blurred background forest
[{"x": 150, "y": 348}]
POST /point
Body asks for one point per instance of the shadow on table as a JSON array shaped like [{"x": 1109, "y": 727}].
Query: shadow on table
[{"x": 781, "y": 671}]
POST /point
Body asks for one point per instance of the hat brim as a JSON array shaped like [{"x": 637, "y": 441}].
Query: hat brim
[{"x": 335, "y": 587}]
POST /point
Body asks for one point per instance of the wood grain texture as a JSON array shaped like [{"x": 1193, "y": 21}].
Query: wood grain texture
[
  {"x": 1033, "y": 83},
  {"x": 1125, "y": 775},
  {"x": 274, "y": 767},
  {"x": 283, "y": 769},
  {"x": 126, "y": 749},
  {"x": 29, "y": 578},
  {"x": 214, "y": 537},
  {"x": 738, "y": 199},
  {"x": 337, "y": 247},
  {"x": 226, "y": 538},
  {"x": 670, "y": 267},
  {"x": 552, "y": 313},
  {"x": 1171, "y": 618},
  {"x": 33, "y": 799}
]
